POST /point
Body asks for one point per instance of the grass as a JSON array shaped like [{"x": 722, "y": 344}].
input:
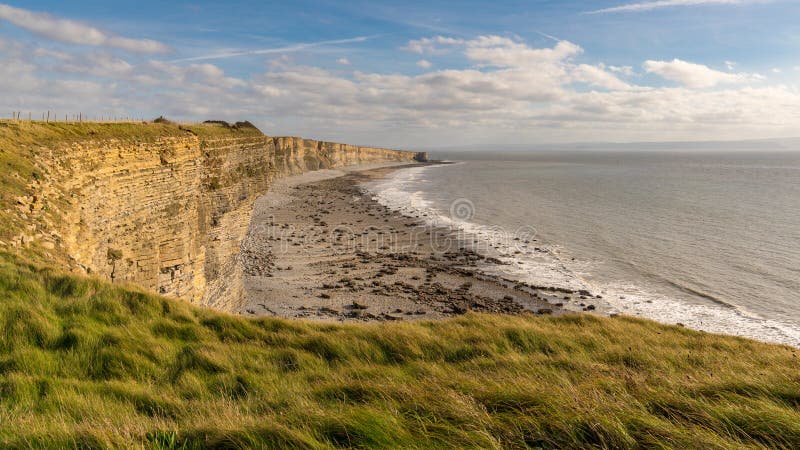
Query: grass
[{"x": 88, "y": 364}]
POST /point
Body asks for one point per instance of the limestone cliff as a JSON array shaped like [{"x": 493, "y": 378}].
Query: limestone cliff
[{"x": 163, "y": 206}]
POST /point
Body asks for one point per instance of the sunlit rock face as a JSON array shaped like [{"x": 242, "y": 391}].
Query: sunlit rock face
[{"x": 168, "y": 212}]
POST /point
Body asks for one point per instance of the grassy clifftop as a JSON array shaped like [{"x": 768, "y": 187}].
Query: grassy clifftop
[{"x": 87, "y": 364}]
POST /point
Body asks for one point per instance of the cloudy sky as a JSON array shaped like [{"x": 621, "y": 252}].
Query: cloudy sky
[{"x": 417, "y": 73}]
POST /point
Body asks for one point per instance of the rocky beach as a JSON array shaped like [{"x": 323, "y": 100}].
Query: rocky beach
[{"x": 321, "y": 248}]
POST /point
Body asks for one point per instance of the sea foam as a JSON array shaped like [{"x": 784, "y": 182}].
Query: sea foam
[{"x": 547, "y": 264}]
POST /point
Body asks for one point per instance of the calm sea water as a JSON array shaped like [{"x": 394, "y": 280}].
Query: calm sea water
[{"x": 710, "y": 240}]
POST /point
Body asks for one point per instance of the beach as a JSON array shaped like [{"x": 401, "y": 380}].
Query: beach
[{"x": 320, "y": 247}]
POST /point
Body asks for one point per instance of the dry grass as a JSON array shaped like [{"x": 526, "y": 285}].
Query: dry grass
[{"x": 86, "y": 364}]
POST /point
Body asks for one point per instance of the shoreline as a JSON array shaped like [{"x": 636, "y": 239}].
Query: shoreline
[
  {"x": 321, "y": 248},
  {"x": 334, "y": 253},
  {"x": 705, "y": 314}
]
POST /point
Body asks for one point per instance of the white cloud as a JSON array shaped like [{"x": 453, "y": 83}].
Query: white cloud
[
  {"x": 208, "y": 71},
  {"x": 647, "y": 6},
  {"x": 622, "y": 70},
  {"x": 73, "y": 32},
  {"x": 49, "y": 53},
  {"x": 503, "y": 52},
  {"x": 343, "y": 61},
  {"x": 694, "y": 75},
  {"x": 546, "y": 68},
  {"x": 514, "y": 92},
  {"x": 99, "y": 64},
  {"x": 425, "y": 64},
  {"x": 431, "y": 45},
  {"x": 598, "y": 76}
]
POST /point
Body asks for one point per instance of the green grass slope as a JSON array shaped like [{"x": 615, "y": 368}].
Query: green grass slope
[{"x": 87, "y": 364}]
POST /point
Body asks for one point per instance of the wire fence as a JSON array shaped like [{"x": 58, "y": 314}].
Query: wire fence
[{"x": 54, "y": 117}]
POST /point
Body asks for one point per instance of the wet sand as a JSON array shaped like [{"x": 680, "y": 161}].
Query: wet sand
[{"x": 321, "y": 248}]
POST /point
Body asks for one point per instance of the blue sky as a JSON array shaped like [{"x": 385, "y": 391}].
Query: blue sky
[{"x": 417, "y": 73}]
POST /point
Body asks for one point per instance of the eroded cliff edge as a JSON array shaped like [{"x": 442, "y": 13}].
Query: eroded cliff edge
[{"x": 162, "y": 206}]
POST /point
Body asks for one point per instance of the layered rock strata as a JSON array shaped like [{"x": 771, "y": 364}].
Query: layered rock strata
[{"x": 168, "y": 210}]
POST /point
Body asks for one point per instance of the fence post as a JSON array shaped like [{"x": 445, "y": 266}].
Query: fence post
[{"x": 48, "y": 116}]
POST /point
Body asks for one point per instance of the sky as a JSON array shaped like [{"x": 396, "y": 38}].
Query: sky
[{"x": 416, "y": 74}]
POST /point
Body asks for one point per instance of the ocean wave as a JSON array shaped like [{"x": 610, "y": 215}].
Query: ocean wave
[{"x": 546, "y": 264}]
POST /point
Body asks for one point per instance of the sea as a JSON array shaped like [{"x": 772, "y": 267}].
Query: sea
[{"x": 706, "y": 238}]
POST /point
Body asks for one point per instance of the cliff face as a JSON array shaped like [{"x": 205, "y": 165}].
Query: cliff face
[
  {"x": 295, "y": 155},
  {"x": 168, "y": 210}
]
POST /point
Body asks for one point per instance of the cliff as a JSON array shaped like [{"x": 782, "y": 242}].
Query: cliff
[{"x": 158, "y": 205}]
